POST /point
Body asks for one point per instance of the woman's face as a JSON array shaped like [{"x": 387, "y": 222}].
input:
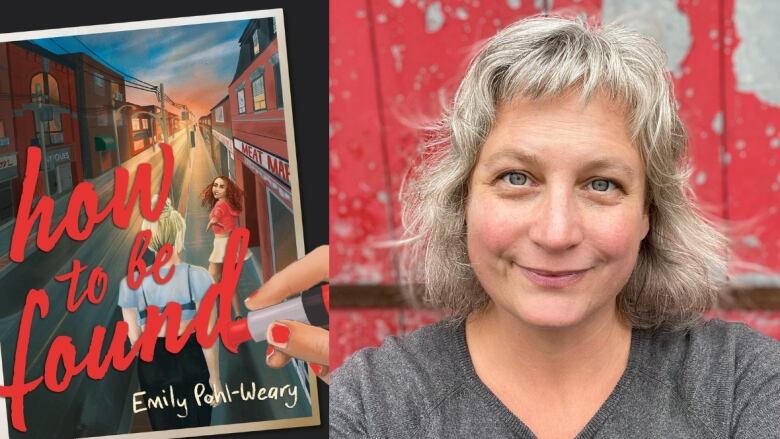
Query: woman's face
[
  {"x": 218, "y": 188},
  {"x": 555, "y": 214}
]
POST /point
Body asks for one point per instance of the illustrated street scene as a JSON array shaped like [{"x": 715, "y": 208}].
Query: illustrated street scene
[{"x": 93, "y": 103}]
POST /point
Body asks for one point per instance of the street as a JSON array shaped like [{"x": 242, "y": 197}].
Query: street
[{"x": 94, "y": 408}]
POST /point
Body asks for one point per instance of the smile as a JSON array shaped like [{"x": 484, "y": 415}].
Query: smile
[{"x": 552, "y": 279}]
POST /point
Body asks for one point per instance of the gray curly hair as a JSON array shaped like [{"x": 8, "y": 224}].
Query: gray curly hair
[{"x": 681, "y": 263}]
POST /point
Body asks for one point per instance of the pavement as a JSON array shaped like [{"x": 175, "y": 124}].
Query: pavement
[{"x": 102, "y": 407}]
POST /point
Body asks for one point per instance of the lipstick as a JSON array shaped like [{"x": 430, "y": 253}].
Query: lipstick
[{"x": 311, "y": 307}]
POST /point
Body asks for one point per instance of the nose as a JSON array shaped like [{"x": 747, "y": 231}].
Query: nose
[{"x": 557, "y": 225}]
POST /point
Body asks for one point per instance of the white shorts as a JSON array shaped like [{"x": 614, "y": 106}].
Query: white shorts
[{"x": 217, "y": 255}]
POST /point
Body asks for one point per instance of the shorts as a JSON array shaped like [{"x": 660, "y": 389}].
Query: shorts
[{"x": 217, "y": 255}]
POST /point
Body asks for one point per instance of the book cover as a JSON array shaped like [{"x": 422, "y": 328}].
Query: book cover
[{"x": 107, "y": 132}]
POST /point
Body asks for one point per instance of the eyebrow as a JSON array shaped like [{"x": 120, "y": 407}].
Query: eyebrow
[{"x": 604, "y": 164}]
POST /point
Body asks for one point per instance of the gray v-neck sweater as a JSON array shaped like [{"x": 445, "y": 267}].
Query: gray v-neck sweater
[{"x": 716, "y": 381}]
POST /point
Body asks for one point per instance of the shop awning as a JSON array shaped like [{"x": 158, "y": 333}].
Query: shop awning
[{"x": 104, "y": 143}]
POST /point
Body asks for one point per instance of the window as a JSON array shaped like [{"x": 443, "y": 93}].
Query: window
[
  {"x": 255, "y": 42},
  {"x": 219, "y": 114},
  {"x": 145, "y": 123},
  {"x": 277, "y": 80},
  {"x": 7, "y": 208},
  {"x": 241, "y": 102},
  {"x": 2, "y": 129},
  {"x": 102, "y": 118},
  {"x": 44, "y": 88},
  {"x": 258, "y": 92},
  {"x": 100, "y": 84},
  {"x": 136, "y": 124},
  {"x": 115, "y": 93}
]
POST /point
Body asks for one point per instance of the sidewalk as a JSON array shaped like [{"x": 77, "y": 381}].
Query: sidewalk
[{"x": 248, "y": 365}]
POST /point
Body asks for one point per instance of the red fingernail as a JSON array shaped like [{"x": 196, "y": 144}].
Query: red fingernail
[
  {"x": 316, "y": 368},
  {"x": 280, "y": 333},
  {"x": 269, "y": 351}
]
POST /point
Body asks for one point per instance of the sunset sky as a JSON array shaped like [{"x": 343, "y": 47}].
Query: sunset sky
[{"x": 195, "y": 62}]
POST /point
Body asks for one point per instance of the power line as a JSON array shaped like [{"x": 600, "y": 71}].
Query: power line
[
  {"x": 109, "y": 64},
  {"x": 127, "y": 82}
]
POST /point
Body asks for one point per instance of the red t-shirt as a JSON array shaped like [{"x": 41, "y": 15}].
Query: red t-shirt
[{"x": 225, "y": 216}]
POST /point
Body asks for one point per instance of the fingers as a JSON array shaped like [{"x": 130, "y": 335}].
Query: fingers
[
  {"x": 299, "y": 340},
  {"x": 296, "y": 277},
  {"x": 278, "y": 359}
]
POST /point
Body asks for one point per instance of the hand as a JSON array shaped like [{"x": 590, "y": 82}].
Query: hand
[
  {"x": 212, "y": 223},
  {"x": 216, "y": 388},
  {"x": 287, "y": 338}
]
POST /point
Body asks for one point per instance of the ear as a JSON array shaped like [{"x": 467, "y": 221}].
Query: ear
[{"x": 646, "y": 221}]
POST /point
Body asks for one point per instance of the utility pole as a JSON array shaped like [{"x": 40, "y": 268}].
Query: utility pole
[
  {"x": 164, "y": 116},
  {"x": 116, "y": 132},
  {"x": 42, "y": 114}
]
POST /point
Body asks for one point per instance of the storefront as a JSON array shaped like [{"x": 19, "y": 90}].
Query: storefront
[
  {"x": 268, "y": 178},
  {"x": 8, "y": 187},
  {"x": 227, "y": 161},
  {"x": 59, "y": 167}
]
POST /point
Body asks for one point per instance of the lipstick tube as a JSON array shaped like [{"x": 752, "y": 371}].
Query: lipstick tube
[{"x": 309, "y": 307}]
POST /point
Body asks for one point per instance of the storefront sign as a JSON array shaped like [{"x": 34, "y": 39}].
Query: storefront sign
[
  {"x": 58, "y": 156},
  {"x": 8, "y": 166},
  {"x": 271, "y": 183},
  {"x": 277, "y": 166}
]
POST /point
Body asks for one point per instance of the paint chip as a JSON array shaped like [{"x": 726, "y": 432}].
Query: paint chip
[
  {"x": 752, "y": 241},
  {"x": 513, "y": 4},
  {"x": 701, "y": 178},
  {"x": 717, "y": 123},
  {"x": 434, "y": 18}
]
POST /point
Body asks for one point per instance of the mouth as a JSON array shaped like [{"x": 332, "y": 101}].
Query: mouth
[{"x": 552, "y": 278}]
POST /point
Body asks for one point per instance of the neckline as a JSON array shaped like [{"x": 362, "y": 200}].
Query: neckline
[{"x": 515, "y": 423}]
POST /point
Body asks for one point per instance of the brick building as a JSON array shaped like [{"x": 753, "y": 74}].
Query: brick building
[{"x": 260, "y": 144}]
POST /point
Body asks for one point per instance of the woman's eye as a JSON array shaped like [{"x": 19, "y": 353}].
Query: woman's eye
[
  {"x": 601, "y": 185},
  {"x": 516, "y": 178}
]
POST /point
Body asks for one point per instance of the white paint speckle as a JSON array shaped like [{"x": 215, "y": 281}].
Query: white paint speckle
[
  {"x": 371, "y": 166},
  {"x": 361, "y": 13},
  {"x": 396, "y": 50},
  {"x": 713, "y": 34},
  {"x": 701, "y": 178},
  {"x": 434, "y": 18},
  {"x": 689, "y": 92},
  {"x": 725, "y": 158},
  {"x": 740, "y": 144},
  {"x": 382, "y": 197},
  {"x": 660, "y": 19},
  {"x": 341, "y": 228},
  {"x": 752, "y": 241},
  {"x": 717, "y": 123},
  {"x": 461, "y": 14},
  {"x": 770, "y": 130},
  {"x": 381, "y": 18},
  {"x": 397, "y": 3},
  {"x": 774, "y": 143},
  {"x": 513, "y": 4},
  {"x": 756, "y": 58}
]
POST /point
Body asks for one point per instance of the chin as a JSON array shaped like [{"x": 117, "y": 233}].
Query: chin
[{"x": 551, "y": 312}]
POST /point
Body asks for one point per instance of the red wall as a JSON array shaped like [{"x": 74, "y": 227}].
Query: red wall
[{"x": 393, "y": 62}]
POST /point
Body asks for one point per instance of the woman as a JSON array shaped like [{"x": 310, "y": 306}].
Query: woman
[
  {"x": 223, "y": 197},
  {"x": 552, "y": 217},
  {"x": 193, "y": 365}
]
